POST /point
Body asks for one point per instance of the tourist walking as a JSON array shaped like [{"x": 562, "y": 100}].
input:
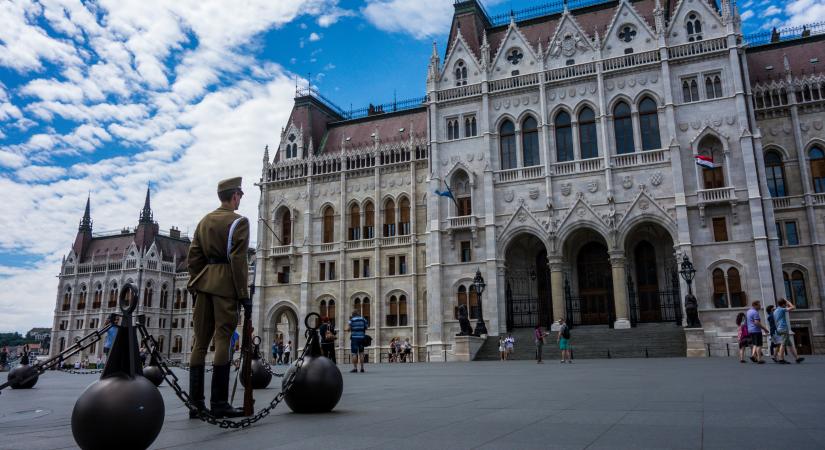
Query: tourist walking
[
  {"x": 281, "y": 351},
  {"x": 109, "y": 340},
  {"x": 509, "y": 344},
  {"x": 287, "y": 352},
  {"x": 274, "y": 351},
  {"x": 502, "y": 349},
  {"x": 407, "y": 350},
  {"x": 773, "y": 339},
  {"x": 742, "y": 335},
  {"x": 357, "y": 327},
  {"x": 392, "y": 350},
  {"x": 564, "y": 342},
  {"x": 539, "y": 335},
  {"x": 784, "y": 332},
  {"x": 327, "y": 332},
  {"x": 755, "y": 329}
]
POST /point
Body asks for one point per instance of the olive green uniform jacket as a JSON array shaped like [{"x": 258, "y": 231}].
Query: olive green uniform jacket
[{"x": 210, "y": 245}]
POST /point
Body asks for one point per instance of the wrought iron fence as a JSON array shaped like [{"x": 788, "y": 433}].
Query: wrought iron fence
[
  {"x": 543, "y": 10},
  {"x": 784, "y": 34},
  {"x": 655, "y": 306},
  {"x": 578, "y": 309}
]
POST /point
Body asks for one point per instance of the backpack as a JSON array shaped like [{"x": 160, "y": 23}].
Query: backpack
[
  {"x": 743, "y": 330},
  {"x": 565, "y": 332},
  {"x": 367, "y": 340}
]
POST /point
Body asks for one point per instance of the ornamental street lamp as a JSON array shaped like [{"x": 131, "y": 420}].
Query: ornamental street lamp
[
  {"x": 688, "y": 272},
  {"x": 479, "y": 284},
  {"x": 691, "y": 304}
]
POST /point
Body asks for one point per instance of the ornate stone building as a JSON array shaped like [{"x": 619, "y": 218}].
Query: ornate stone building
[
  {"x": 571, "y": 143},
  {"x": 99, "y": 264}
]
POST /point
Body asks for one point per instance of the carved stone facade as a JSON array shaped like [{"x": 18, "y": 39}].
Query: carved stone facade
[{"x": 573, "y": 164}]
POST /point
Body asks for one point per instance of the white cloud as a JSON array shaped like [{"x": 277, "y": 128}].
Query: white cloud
[
  {"x": 804, "y": 12},
  {"x": 314, "y": 37},
  {"x": 771, "y": 11},
  {"x": 41, "y": 173},
  {"x": 747, "y": 15},
  {"x": 420, "y": 19}
]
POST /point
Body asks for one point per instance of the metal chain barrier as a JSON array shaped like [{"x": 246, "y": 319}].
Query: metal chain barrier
[
  {"x": 205, "y": 415},
  {"x": 81, "y": 371},
  {"x": 271, "y": 371}
]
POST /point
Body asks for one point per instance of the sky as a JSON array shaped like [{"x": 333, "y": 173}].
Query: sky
[{"x": 104, "y": 98}]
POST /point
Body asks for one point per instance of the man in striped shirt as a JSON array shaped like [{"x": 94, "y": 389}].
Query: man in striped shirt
[{"x": 358, "y": 330}]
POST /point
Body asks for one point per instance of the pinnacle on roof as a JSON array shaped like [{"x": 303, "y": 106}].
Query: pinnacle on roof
[
  {"x": 146, "y": 212},
  {"x": 86, "y": 221}
]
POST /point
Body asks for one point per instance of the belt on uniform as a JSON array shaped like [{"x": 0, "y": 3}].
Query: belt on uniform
[{"x": 218, "y": 261}]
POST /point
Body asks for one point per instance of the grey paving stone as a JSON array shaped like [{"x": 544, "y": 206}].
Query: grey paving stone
[{"x": 620, "y": 403}]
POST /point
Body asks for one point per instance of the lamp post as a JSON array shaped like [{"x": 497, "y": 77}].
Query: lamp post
[
  {"x": 479, "y": 284},
  {"x": 691, "y": 305}
]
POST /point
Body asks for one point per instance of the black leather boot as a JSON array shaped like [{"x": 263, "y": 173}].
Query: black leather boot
[
  {"x": 196, "y": 390},
  {"x": 220, "y": 394}
]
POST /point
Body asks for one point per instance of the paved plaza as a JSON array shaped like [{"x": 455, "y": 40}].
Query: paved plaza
[{"x": 711, "y": 403}]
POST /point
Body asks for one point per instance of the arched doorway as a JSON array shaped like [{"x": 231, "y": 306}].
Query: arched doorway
[
  {"x": 595, "y": 284},
  {"x": 652, "y": 275},
  {"x": 649, "y": 303},
  {"x": 283, "y": 325},
  {"x": 528, "y": 299}
]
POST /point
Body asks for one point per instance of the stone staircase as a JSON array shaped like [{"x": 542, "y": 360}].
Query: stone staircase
[{"x": 646, "y": 340}]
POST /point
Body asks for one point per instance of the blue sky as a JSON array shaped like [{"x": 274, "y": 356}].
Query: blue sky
[{"x": 102, "y": 98}]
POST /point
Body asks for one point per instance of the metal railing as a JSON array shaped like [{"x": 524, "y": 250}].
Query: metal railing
[
  {"x": 548, "y": 8},
  {"x": 784, "y": 34}
]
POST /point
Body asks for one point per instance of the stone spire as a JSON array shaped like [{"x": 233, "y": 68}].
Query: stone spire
[
  {"x": 86, "y": 221},
  {"x": 434, "y": 67},
  {"x": 485, "y": 52},
  {"x": 266, "y": 155},
  {"x": 146, "y": 212},
  {"x": 659, "y": 18}
]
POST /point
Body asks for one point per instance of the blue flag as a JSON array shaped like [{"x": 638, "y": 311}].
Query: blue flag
[{"x": 446, "y": 193}]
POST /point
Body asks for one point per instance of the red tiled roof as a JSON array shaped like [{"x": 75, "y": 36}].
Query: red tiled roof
[
  {"x": 766, "y": 62},
  {"x": 386, "y": 127}
]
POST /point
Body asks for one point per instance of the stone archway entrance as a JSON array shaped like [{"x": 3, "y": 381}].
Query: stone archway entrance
[
  {"x": 652, "y": 275},
  {"x": 595, "y": 284},
  {"x": 528, "y": 299},
  {"x": 283, "y": 325}
]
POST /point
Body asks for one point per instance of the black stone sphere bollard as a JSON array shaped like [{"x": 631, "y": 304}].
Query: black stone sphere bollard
[{"x": 318, "y": 385}]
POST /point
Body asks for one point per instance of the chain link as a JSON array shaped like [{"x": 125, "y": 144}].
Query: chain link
[
  {"x": 205, "y": 415},
  {"x": 81, "y": 371},
  {"x": 270, "y": 370}
]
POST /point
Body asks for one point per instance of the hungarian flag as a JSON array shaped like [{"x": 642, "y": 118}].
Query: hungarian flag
[{"x": 705, "y": 161}]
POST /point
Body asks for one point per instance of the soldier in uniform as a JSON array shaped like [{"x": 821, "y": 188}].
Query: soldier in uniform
[{"x": 218, "y": 272}]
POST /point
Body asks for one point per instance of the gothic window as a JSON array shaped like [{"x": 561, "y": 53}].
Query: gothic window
[
  {"x": 291, "y": 147},
  {"x": 587, "y": 134},
  {"x": 530, "y": 142},
  {"x": 404, "y": 216},
  {"x": 328, "y": 225},
  {"x": 177, "y": 303},
  {"x": 389, "y": 218},
  {"x": 473, "y": 309},
  {"x": 795, "y": 288},
  {"x": 112, "y": 296},
  {"x": 164, "y": 297},
  {"x": 690, "y": 90},
  {"x": 462, "y": 192},
  {"x": 713, "y": 86},
  {"x": 775, "y": 174},
  {"x": 720, "y": 290},
  {"x": 160, "y": 340},
  {"x": 286, "y": 227},
  {"x": 177, "y": 346},
  {"x": 711, "y": 149},
  {"x": 738, "y": 298},
  {"x": 694, "y": 27},
  {"x": 98, "y": 297},
  {"x": 507, "y": 141},
  {"x": 183, "y": 300},
  {"x": 354, "y": 222},
  {"x": 460, "y": 73},
  {"x": 623, "y": 128},
  {"x": 148, "y": 293},
  {"x": 392, "y": 314},
  {"x": 461, "y": 299},
  {"x": 817, "y": 157},
  {"x": 81, "y": 300},
  {"x": 362, "y": 307},
  {"x": 452, "y": 129},
  {"x": 514, "y": 56},
  {"x": 649, "y": 124},
  {"x": 727, "y": 289},
  {"x": 369, "y": 220},
  {"x": 470, "y": 128},
  {"x": 402, "y": 310},
  {"x": 627, "y": 33},
  {"x": 564, "y": 137},
  {"x": 67, "y": 299}
]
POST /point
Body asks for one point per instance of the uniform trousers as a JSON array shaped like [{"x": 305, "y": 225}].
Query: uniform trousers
[{"x": 214, "y": 316}]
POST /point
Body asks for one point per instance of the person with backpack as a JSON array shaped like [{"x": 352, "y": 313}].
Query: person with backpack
[
  {"x": 773, "y": 339},
  {"x": 742, "y": 336},
  {"x": 358, "y": 332},
  {"x": 755, "y": 328},
  {"x": 564, "y": 342},
  {"x": 784, "y": 333},
  {"x": 327, "y": 332}
]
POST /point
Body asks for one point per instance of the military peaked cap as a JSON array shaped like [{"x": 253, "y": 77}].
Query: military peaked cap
[{"x": 229, "y": 184}]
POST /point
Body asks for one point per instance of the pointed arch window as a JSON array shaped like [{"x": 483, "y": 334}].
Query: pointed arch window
[
  {"x": 472, "y": 300},
  {"x": 286, "y": 227},
  {"x": 112, "y": 296},
  {"x": 328, "y": 225},
  {"x": 713, "y": 86},
  {"x": 327, "y": 309},
  {"x": 177, "y": 345},
  {"x": 587, "y": 134},
  {"x": 354, "y": 222},
  {"x": 775, "y": 172},
  {"x": 392, "y": 312},
  {"x": 460, "y": 73},
  {"x": 452, "y": 129},
  {"x": 690, "y": 90},
  {"x": 67, "y": 299},
  {"x": 564, "y": 137},
  {"x": 738, "y": 298},
  {"x": 461, "y": 299},
  {"x": 817, "y": 161},
  {"x": 81, "y": 300},
  {"x": 693, "y": 27},
  {"x": 178, "y": 298},
  {"x": 402, "y": 310},
  {"x": 98, "y": 299},
  {"x": 530, "y": 142},
  {"x": 623, "y": 128},
  {"x": 148, "y": 293},
  {"x": 470, "y": 128},
  {"x": 649, "y": 124},
  {"x": 369, "y": 220},
  {"x": 507, "y": 142},
  {"x": 389, "y": 218},
  {"x": 362, "y": 307},
  {"x": 463, "y": 194},
  {"x": 164, "y": 297},
  {"x": 795, "y": 288},
  {"x": 711, "y": 149},
  {"x": 720, "y": 290},
  {"x": 404, "y": 216}
]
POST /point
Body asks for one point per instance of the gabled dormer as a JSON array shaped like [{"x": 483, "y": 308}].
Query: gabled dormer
[
  {"x": 514, "y": 56},
  {"x": 628, "y": 33},
  {"x": 461, "y": 67},
  {"x": 569, "y": 45},
  {"x": 694, "y": 21},
  {"x": 292, "y": 143}
]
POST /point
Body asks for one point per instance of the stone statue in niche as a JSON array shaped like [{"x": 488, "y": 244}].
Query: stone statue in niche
[
  {"x": 464, "y": 322},
  {"x": 692, "y": 312}
]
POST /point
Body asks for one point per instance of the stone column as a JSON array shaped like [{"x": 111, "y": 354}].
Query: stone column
[
  {"x": 617, "y": 265},
  {"x": 557, "y": 291}
]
